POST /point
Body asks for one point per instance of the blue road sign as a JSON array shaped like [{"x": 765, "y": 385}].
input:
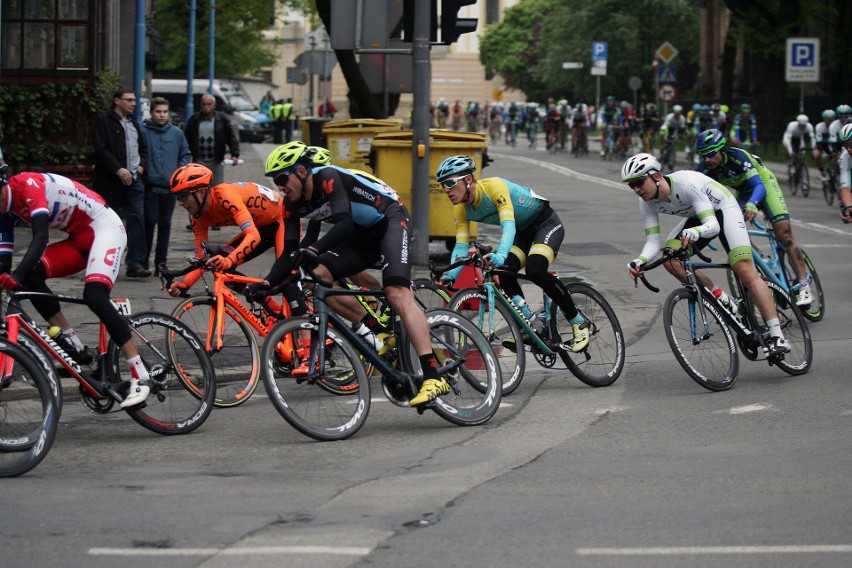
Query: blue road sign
[
  {"x": 802, "y": 59},
  {"x": 599, "y": 49},
  {"x": 667, "y": 73}
]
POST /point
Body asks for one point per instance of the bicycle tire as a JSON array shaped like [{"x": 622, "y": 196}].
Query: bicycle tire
[
  {"x": 472, "y": 303},
  {"x": 306, "y": 405},
  {"x": 183, "y": 380},
  {"x": 237, "y": 364},
  {"x": 429, "y": 296},
  {"x": 816, "y": 310},
  {"x": 805, "y": 181},
  {"x": 793, "y": 180},
  {"x": 795, "y": 328},
  {"x": 476, "y": 392},
  {"x": 828, "y": 192},
  {"x": 29, "y": 411},
  {"x": 712, "y": 362},
  {"x": 601, "y": 362}
]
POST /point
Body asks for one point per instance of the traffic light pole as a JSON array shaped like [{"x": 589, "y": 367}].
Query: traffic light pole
[{"x": 420, "y": 133}]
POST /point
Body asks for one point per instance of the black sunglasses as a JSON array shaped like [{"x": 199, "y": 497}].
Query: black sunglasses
[
  {"x": 281, "y": 179},
  {"x": 633, "y": 184}
]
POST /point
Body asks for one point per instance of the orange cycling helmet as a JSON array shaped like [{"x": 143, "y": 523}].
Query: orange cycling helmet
[{"x": 190, "y": 177}]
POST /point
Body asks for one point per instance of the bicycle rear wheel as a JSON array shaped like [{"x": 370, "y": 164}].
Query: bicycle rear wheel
[
  {"x": 601, "y": 362},
  {"x": 428, "y": 295},
  {"x": 182, "y": 378},
  {"x": 466, "y": 360},
  {"x": 792, "y": 179},
  {"x": 303, "y": 401},
  {"x": 708, "y": 353},
  {"x": 237, "y": 362},
  {"x": 501, "y": 330},
  {"x": 795, "y": 327},
  {"x": 805, "y": 180},
  {"x": 29, "y": 411}
]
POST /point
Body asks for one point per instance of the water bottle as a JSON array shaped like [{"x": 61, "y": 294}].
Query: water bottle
[{"x": 730, "y": 304}]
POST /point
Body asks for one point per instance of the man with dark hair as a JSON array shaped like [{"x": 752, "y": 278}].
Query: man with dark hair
[{"x": 121, "y": 158}]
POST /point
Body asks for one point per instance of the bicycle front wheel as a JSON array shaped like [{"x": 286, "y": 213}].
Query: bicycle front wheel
[
  {"x": 793, "y": 180},
  {"x": 29, "y": 410},
  {"x": 795, "y": 328},
  {"x": 466, "y": 360},
  {"x": 500, "y": 328},
  {"x": 304, "y": 401},
  {"x": 237, "y": 362},
  {"x": 805, "y": 180},
  {"x": 601, "y": 362},
  {"x": 182, "y": 379},
  {"x": 706, "y": 351}
]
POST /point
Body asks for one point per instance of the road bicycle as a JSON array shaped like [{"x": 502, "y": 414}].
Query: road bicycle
[
  {"x": 512, "y": 133},
  {"x": 829, "y": 177},
  {"x": 224, "y": 322},
  {"x": 608, "y": 149},
  {"x": 30, "y": 404},
  {"x": 668, "y": 157},
  {"x": 579, "y": 142},
  {"x": 181, "y": 376},
  {"x": 798, "y": 176},
  {"x": 332, "y": 401},
  {"x": 772, "y": 263},
  {"x": 706, "y": 337},
  {"x": 624, "y": 143},
  {"x": 549, "y": 336}
]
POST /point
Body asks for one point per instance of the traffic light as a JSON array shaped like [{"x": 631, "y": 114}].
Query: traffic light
[
  {"x": 451, "y": 25},
  {"x": 408, "y": 21}
]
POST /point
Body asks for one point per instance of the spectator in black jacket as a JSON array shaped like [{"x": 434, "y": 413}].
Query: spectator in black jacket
[
  {"x": 121, "y": 158},
  {"x": 208, "y": 132}
]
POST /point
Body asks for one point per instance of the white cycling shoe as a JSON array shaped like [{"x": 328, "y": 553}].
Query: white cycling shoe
[{"x": 138, "y": 393}]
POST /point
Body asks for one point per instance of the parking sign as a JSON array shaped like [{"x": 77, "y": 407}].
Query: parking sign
[
  {"x": 802, "y": 60},
  {"x": 599, "y": 49}
]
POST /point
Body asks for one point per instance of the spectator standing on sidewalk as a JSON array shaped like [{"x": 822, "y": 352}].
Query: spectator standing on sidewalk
[
  {"x": 121, "y": 158},
  {"x": 167, "y": 151},
  {"x": 208, "y": 132}
]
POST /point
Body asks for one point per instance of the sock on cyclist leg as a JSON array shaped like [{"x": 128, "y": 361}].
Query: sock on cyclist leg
[
  {"x": 75, "y": 339},
  {"x": 429, "y": 366},
  {"x": 577, "y": 320},
  {"x": 137, "y": 369},
  {"x": 774, "y": 328}
]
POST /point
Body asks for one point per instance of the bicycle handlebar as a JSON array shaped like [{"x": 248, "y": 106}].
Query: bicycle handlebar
[{"x": 475, "y": 258}]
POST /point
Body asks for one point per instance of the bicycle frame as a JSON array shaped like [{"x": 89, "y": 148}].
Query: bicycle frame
[
  {"x": 18, "y": 321},
  {"x": 771, "y": 266},
  {"x": 694, "y": 286},
  {"x": 493, "y": 290}
]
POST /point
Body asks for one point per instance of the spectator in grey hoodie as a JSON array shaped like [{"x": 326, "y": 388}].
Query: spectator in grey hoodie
[{"x": 167, "y": 151}]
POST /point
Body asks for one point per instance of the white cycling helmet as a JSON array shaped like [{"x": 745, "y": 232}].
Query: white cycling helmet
[
  {"x": 802, "y": 119},
  {"x": 845, "y": 134},
  {"x": 677, "y": 109},
  {"x": 639, "y": 166}
]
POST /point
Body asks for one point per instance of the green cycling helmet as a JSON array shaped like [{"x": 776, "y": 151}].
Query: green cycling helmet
[
  {"x": 453, "y": 166},
  {"x": 319, "y": 156},
  {"x": 711, "y": 140},
  {"x": 845, "y": 134},
  {"x": 285, "y": 156}
]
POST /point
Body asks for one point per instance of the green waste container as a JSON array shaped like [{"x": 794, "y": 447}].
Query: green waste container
[
  {"x": 350, "y": 141},
  {"x": 393, "y": 166}
]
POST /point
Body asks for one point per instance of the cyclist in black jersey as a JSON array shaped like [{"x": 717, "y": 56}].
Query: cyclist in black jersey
[{"x": 370, "y": 223}]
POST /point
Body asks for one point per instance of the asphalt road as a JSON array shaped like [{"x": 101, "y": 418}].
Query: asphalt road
[{"x": 652, "y": 471}]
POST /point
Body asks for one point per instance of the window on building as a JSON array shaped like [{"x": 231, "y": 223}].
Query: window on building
[
  {"x": 492, "y": 11},
  {"x": 47, "y": 35}
]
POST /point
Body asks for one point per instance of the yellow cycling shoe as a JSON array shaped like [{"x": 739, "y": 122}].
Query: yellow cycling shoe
[
  {"x": 431, "y": 389},
  {"x": 581, "y": 337}
]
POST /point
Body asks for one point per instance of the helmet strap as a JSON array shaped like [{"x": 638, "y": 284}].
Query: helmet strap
[
  {"x": 467, "y": 195},
  {"x": 200, "y": 203}
]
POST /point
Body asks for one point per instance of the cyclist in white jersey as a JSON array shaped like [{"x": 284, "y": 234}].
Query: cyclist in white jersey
[
  {"x": 96, "y": 241},
  {"x": 844, "y": 139},
  {"x": 799, "y": 132},
  {"x": 709, "y": 210}
]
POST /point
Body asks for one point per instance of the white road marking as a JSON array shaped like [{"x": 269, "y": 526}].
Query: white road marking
[
  {"x": 687, "y": 550},
  {"x": 758, "y": 407},
  {"x": 567, "y": 171},
  {"x": 258, "y": 550}
]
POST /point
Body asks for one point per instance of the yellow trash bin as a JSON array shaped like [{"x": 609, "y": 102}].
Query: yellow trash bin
[
  {"x": 393, "y": 165},
  {"x": 350, "y": 141}
]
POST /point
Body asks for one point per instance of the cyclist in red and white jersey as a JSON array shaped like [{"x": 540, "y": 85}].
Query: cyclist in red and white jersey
[{"x": 96, "y": 241}]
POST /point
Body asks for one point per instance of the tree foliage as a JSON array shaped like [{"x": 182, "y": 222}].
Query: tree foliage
[
  {"x": 536, "y": 36},
  {"x": 240, "y": 47}
]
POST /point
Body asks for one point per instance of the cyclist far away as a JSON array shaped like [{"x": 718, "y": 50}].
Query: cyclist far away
[
  {"x": 532, "y": 233},
  {"x": 369, "y": 223},
  {"x": 96, "y": 240},
  {"x": 756, "y": 189},
  {"x": 709, "y": 210}
]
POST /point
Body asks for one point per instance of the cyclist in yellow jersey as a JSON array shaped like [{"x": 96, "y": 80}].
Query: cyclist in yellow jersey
[{"x": 532, "y": 233}]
